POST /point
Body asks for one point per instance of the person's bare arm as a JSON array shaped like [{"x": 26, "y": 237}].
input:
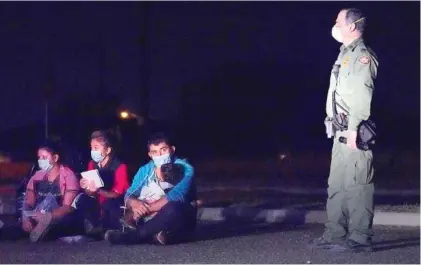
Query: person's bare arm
[
  {"x": 157, "y": 205},
  {"x": 108, "y": 194},
  {"x": 138, "y": 207},
  {"x": 30, "y": 198}
]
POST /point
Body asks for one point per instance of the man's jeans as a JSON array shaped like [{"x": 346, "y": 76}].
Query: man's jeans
[{"x": 177, "y": 219}]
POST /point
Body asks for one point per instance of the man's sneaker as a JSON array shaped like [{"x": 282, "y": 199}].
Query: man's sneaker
[
  {"x": 161, "y": 238},
  {"x": 356, "y": 247},
  {"x": 116, "y": 237},
  {"x": 41, "y": 229}
]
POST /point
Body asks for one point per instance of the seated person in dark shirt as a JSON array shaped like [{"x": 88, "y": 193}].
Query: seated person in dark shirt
[{"x": 101, "y": 207}]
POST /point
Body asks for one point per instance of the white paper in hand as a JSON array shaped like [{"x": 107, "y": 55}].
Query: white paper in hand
[{"x": 93, "y": 175}]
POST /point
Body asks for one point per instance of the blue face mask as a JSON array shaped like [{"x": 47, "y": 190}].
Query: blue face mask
[
  {"x": 44, "y": 164},
  {"x": 162, "y": 159},
  {"x": 96, "y": 156}
]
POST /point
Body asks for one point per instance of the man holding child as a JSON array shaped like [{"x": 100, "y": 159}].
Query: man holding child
[{"x": 161, "y": 199}]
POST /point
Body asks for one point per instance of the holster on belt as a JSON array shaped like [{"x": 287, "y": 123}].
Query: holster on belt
[{"x": 340, "y": 122}]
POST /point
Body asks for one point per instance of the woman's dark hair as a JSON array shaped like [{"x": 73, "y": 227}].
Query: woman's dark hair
[
  {"x": 53, "y": 148},
  {"x": 106, "y": 138},
  {"x": 103, "y": 137}
]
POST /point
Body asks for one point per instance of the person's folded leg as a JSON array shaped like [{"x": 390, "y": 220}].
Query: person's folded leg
[
  {"x": 42, "y": 228},
  {"x": 91, "y": 211},
  {"x": 173, "y": 218},
  {"x": 182, "y": 233},
  {"x": 112, "y": 212},
  {"x": 69, "y": 225}
]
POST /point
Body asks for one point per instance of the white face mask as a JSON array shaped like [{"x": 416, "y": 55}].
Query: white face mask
[
  {"x": 336, "y": 34},
  {"x": 44, "y": 164},
  {"x": 162, "y": 159}
]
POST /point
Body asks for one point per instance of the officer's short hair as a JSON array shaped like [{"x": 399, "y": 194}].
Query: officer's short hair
[{"x": 354, "y": 14}]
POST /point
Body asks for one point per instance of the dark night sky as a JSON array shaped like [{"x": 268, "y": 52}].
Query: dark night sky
[{"x": 190, "y": 45}]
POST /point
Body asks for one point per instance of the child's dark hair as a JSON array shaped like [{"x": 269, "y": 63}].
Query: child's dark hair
[
  {"x": 158, "y": 138},
  {"x": 172, "y": 173}
]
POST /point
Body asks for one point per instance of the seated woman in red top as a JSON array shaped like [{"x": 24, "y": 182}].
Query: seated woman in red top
[{"x": 102, "y": 207}]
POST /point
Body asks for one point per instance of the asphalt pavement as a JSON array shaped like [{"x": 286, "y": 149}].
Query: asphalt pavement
[{"x": 224, "y": 243}]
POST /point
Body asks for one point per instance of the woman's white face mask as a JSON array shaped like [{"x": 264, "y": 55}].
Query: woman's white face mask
[{"x": 336, "y": 34}]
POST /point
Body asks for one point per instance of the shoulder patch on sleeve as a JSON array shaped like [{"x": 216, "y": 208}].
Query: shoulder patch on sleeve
[{"x": 364, "y": 59}]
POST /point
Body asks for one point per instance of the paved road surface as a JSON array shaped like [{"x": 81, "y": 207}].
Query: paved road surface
[{"x": 218, "y": 243}]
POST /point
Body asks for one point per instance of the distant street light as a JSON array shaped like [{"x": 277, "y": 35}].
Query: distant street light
[{"x": 124, "y": 115}]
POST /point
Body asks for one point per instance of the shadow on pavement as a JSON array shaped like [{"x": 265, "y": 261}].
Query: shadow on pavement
[
  {"x": 226, "y": 230},
  {"x": 293, "y": 215},
  {"x": 289, "y": 216},
  {"x": 397, "y": 243},
  {"x": 243, "y": 221}
]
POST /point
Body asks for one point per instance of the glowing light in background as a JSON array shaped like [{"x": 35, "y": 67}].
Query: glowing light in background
[
  {"x": 127, "y": 115},
  {"x": 124, "y": 114}
]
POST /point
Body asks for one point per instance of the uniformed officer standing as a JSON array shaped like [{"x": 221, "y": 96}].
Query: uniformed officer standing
[{"x": 350, "y": 193}]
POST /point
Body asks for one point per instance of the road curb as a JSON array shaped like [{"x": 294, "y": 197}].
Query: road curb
[
  {"x": 303, "y": 191},
  {"x": 238, "y": 214},
  {"x": 292, "y": 215},
  {"x": 11, "y": 188},
  {"x": 297, "y": 216}
]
